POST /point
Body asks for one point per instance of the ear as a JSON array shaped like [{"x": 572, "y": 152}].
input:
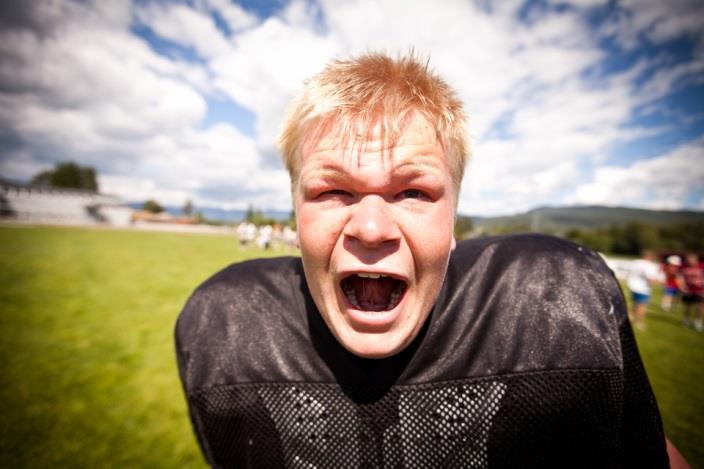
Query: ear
[{"x": 454, "y": 243}]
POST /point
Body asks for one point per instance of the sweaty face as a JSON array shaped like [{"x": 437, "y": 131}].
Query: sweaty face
[{"x": 375, "y": 230}]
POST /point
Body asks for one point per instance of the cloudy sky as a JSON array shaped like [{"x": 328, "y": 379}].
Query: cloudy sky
[{"x": 571, "y": 102}]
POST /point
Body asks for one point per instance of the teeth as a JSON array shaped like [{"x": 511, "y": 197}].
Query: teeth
[
  {"x": 370, "y": 275},
  {"x": 394, "y": 298},
  {"x": 352, "y": 297}
]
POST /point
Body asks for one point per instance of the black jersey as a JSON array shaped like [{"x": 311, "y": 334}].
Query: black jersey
[{"x": 527, "y": 360}]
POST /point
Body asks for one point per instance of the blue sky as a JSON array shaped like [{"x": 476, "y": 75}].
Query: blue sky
[{"x": 571, "y": 102}]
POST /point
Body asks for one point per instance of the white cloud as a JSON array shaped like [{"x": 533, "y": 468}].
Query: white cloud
[
  {"x": 141, "y": 189},
  {"x": 186, "y": 26},
  {"x": 302, "y": 14},
  {"x": 236, "y": 17},
  {"x": 583, "y": 3},
  {"x": 664, "y": 182},
  {"x": 657, "y": 20},
  {"x": 90, "y": 90},
  {"x": 93, "y": 96},
  {"x": 672, "y": 78},
  {"x": 102, "y": 97},
  {"x": 266, "y": 67}
]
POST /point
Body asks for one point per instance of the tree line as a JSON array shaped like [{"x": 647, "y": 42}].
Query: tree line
[
  {"x": 629, "y": 239},
  {"x": 68, "y": 175},
  {"x": 634, "y": 237}
]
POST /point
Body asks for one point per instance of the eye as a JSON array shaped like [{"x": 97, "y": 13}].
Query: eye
[
  {"x": 412, "y": 194},
  {"x": 334, "y": 194}
]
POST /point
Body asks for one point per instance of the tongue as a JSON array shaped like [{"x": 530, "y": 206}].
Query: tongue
[{"x": 374, "y": 294}]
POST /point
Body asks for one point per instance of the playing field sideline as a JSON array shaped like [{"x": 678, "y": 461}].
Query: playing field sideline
[{"x": 89, "y": 377}]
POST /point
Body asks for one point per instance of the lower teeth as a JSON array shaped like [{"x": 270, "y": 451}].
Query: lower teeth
[
  {"x": 393, "y": 299},
  {"x": 352, "y": 297}
]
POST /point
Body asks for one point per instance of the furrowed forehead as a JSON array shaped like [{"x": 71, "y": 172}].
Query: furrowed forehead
[
  {"x": 382, "y": 135},
  {"x": 357, "y": 134}
]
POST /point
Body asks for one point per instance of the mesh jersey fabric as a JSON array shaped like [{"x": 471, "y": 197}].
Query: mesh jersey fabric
[{"x": 527, "y": 360}]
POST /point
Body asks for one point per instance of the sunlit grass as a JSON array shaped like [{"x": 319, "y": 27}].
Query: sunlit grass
[
  {"x": 86, "y": 344},
  {"x": 88, "y": 370},
  {"x": 674, "y": 358}
]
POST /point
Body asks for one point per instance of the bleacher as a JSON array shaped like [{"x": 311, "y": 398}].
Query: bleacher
[{"x": 39, "y": 204}]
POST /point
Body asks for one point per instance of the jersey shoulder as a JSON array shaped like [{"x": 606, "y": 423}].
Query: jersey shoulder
[
  {"x": 243, "y": 288},
  {"x": 535, "y": 259},
  {"x": 530, "y": 302},
  {"x": 232, "y": 318}
]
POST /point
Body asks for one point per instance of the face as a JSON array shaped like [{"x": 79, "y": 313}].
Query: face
[{"x": 375, "y": 230}]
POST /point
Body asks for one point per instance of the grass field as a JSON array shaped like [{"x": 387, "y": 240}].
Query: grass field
[{"x": 88, "y": 371}]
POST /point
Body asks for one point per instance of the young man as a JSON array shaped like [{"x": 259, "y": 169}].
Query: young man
[
  {"x": 642, "y": 275},
  {"x": 389, "y": 345},
  {"x": 671, "y": 288},
  {"x": 692, "y": 286}
]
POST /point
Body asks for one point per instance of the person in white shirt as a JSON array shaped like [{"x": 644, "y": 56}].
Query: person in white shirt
[{"x": 642, "y": 274}]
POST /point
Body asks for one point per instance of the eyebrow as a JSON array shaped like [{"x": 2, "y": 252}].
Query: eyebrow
[
  {"x": 325, "y": 173},
  {"x": 406, "y": 169},
  {"x": 420, "y": 164}
]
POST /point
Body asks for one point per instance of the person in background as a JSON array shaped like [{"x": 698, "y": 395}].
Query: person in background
[
  {"x": 642, "y": 275},
  {"x": 692, "y": 286},
  {"x": 671, "y": 289}
]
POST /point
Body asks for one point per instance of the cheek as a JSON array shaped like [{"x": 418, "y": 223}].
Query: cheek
[
  {"x": 431, "y": 241},
  {"x": 432, "y": 232},
  {"x": 317, "y": 232}
]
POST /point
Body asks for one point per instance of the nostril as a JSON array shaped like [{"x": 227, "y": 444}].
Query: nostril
[{"x": 373, "y": 235}]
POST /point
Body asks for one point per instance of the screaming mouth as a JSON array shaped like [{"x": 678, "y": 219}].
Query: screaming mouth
[{"x": 373, "y": 292}]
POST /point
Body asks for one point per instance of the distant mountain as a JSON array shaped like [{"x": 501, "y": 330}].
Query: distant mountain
[
  {"x": 558, "y": 219},
  {"x": 231, "y": 216},
  {"x": 555, "y": 219},
  {"x": 218, "y": 214}
]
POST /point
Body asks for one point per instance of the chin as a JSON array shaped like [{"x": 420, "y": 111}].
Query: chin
[{"x": 374, "y": 345}]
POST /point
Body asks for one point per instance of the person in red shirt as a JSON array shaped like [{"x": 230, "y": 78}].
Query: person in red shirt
[
  {"x": 692, "y": 286},
  {"x": 671, "y": 290}
]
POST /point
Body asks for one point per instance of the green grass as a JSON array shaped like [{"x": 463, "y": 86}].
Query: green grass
[
  {"x": 674, "y": 358},
  {"x": 88, "y": 370},
  {"x": 86, "y": 344}
]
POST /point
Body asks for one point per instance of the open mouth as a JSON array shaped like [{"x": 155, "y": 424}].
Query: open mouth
[{"x": 372, "y": 291}]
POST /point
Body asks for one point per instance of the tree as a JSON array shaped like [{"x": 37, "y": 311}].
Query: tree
[
  {"x": 251, "y": 214},
  {"x": 257, "y": 217},
  {"x": 463, "y": 226},
  {"x": 291, "y": 222},
  {"x": 633, "y": 238},
  {"x": 152, "y": 206},
  {"x": 69, "y": 175},
  {"x": 187, "y": 208},
  {"x": 598, "y": 240}
]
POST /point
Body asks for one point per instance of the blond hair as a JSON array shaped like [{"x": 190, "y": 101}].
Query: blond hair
[{"x": 352, "y": 97}]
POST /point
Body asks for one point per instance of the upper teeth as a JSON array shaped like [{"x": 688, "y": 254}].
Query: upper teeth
[{"x": 370, "y": 275}]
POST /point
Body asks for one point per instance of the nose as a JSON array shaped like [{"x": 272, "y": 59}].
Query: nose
[{"x": 371, "y": 223}]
